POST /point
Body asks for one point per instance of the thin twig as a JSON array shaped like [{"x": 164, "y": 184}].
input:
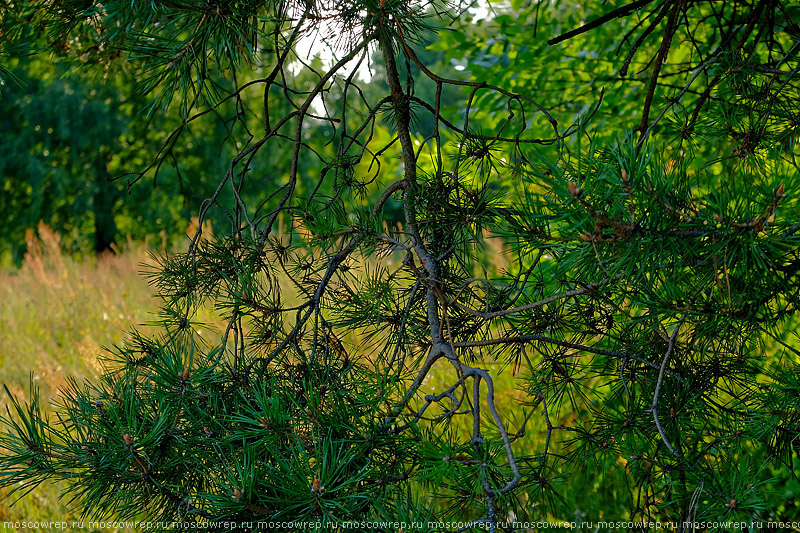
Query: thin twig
[{"x": 660, "y": 382}]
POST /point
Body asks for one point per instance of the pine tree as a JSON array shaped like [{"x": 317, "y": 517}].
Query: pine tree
[{"x": 645, "y": 316}]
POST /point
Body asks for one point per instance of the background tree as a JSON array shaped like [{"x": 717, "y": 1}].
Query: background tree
[
  {"x": 79, "y": 131},
  {"x": 646, "y": 317}
]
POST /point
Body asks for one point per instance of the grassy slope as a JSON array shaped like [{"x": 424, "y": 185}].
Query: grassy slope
[{"x": 56, "y": 316}]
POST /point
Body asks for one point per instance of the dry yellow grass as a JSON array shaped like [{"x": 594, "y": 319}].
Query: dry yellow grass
[
  {"x": 58, "y": 313},
  {"x": 56, "y": 316}
]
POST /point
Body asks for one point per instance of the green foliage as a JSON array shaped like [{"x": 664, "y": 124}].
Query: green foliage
[
  {"x": 643, "y": 324},
  {"x": 73, "y": 133}
]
